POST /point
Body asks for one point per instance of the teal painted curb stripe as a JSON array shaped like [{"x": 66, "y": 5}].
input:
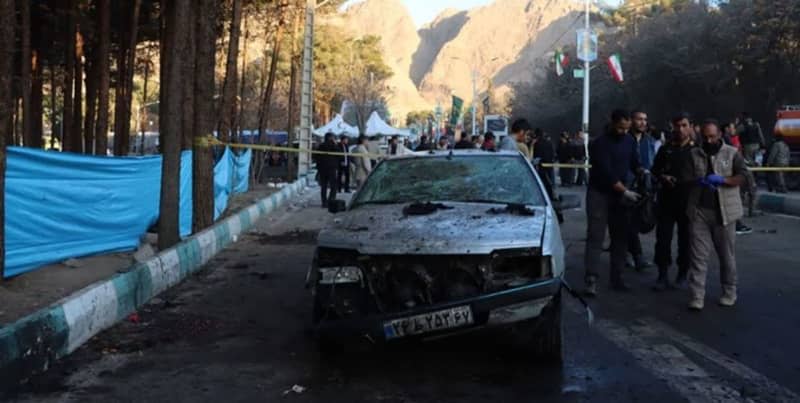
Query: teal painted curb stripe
[
  {"x": 133, "y": 289},
  {"x": 31, "y": 344}
]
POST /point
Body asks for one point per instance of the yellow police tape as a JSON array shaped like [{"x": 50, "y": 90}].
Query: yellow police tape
[{"x": 213, "y": 141}]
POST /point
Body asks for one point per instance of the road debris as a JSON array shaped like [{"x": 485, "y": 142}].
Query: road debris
[
  {"x": 134, "y": 318},
  {"x": 297, "y": 389}
]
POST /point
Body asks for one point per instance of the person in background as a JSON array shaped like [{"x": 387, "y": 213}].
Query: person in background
[
  {"x": 444, "y": 144},
  {"x": 579, "y": 155},
  {"x": 612, "y": 156},
  {"x": 519, "y": 130},
  {"x": 374, "y": 147},
  {"x": 479, "y": 140},
  {"x": 673, "y": 168},
  {"x": 327, "y": 165},
  {"x": 361, "y": 161},
  {"x": 464, "y": 143},
  {"x": 714, "y": 206},
  {"x": 565, "y": 156},
  {"x": 343, "y": 176},
  {"x": 488, "y": 142},
  {"x": 752, "y": 137},
  {"x": 545, "y": 151},
  {"x": 394, "y": 143},
  {"x": 645, "y": 147},
  {"x": 424, "y": 144},
  {"x": 778, "y": 157}
]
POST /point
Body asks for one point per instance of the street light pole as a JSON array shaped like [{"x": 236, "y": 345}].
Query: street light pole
[
  {"x": 586, "y": 67},
  {"x": 474, "y": 96},
  {"x": 306, "y": 90}
]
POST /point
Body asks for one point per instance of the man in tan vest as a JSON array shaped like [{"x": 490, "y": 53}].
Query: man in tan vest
[{"x": 713, "y": 208}]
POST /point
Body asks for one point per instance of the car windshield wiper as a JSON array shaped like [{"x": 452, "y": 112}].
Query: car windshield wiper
[
  {"x": 487, "y": 201},
  {"x": 381, "y": 202}
]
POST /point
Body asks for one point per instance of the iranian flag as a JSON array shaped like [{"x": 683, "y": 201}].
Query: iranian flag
[
  {"x": 562, "y": 61},
  {"x": 615, "y": 66}
]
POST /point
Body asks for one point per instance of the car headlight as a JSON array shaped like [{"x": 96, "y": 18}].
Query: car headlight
[{"x": 339, "y": 275}]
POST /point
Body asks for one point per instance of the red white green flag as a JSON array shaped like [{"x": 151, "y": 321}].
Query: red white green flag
[
  {"x": 615, "y": 65},
  {"x": 562, "y": 61}
]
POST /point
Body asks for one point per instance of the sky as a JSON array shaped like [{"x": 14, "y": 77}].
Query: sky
[{"x": 424, "y": 11}]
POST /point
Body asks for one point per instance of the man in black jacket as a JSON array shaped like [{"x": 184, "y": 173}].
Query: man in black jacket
[
  {"x": 612, "y": 156},
  {"x": 327, "y": 166},
  {"x": 674, "y": 170},
  {"x": 544, "y": 150}
]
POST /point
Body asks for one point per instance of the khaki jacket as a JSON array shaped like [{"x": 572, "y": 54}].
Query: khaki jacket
[
  {"x": 730, "y": 201},
  {"x": 363, "y": 165}
]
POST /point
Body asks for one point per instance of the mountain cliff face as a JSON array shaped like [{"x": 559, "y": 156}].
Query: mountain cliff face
[{"x": 501, "y": 42}]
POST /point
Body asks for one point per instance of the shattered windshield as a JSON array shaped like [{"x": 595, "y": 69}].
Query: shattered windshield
[{"x": 465, "y": 178}]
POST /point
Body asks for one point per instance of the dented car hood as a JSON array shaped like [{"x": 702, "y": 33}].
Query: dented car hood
[{"x": 462, "y": 228}]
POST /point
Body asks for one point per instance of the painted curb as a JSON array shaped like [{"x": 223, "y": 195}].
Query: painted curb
[
  {"x": 778, "y": 203},
  {"x": 31, "y": 344}
]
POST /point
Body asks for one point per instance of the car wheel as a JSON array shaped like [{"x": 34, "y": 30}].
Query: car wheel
[{"x": 542, "y": 337}]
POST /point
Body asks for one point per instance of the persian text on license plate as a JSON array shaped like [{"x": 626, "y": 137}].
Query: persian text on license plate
[{"x": 429, "y": 322}]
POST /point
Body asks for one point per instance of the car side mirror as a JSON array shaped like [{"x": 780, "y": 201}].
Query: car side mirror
[{"x": 336, "y": 206}]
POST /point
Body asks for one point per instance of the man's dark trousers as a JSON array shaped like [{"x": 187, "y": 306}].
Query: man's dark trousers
[
  {"x": 327, "y": 180},
  {"x": 672, "y": 211},
  {"x": 344, "y": 173},
  {"x": 605, "y": 211}
]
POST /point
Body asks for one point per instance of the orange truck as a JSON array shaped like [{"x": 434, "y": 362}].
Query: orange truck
[{"x": 788, "y": 125}]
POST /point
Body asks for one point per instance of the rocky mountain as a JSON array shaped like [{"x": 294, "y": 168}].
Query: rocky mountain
[{"x": 501, "y": 42}]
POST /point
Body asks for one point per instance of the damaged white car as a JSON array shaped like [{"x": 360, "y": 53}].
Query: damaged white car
[{"x": 438, "y": 244}]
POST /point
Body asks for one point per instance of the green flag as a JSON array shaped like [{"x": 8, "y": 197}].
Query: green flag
[{"x": 455, "y": 113}]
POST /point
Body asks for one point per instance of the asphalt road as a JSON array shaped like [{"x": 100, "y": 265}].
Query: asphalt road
[{"x": 239, "y": 332}]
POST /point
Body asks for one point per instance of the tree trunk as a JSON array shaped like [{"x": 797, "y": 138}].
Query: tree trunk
[
  {"x": 227, "y": 108},
  {"x": 6, "y": 106},
  {"x": 240, "y": 108},
  {"x": 174, "y": 27},
  {"x": 53, "y": 115},
  {"x": 37, "y": 101},
  {"x": 133, "y": 39},
  {"x": 77, "y": 119},
  {"x": 69, "y": 77},
  {"x": 144, "y": 118},
  {"x": 273, "y": 69},
  {"x": 103, "y": 76},
  {"x": 25, "y": 73},
  {"x": 125, "y": 67},
  {"x": 202, "y": 157},
  {"x": 187, "y": 71},
  {"x": 90, "y": 117}
]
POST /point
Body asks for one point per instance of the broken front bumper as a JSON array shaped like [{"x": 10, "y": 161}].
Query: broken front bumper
[{"x": 495, "y": 309}]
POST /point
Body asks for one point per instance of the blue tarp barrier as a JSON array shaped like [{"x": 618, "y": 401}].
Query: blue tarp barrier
[
  {"x": 63, "y": 205},
  {"x": 241, "y": 171}
]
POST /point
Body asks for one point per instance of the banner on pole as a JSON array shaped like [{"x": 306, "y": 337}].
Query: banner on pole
[
  {"x": 455, "y": 113},
  {"x": 587, "y": 45}
]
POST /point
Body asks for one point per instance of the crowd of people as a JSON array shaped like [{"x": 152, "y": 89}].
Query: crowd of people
[{"x": 701, "y": 170}]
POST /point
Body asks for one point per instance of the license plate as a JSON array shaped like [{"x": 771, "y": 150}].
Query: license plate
[{"x": 429, "y": 322}]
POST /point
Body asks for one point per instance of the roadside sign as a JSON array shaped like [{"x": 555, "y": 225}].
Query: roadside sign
[
  {"x": 578, "y": 73},
  {"x": 587, "y": 45}
]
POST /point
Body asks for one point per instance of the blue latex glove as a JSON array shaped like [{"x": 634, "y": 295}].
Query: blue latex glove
[
  {"x": 706, "y": 184},
  {"x": 716, "y": 180}
]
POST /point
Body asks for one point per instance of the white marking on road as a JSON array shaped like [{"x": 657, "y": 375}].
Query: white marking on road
[
  {"x": 653, "y": 344},
  {"x": 761, "y": 382},
  {"x": 92, "y": 311}
]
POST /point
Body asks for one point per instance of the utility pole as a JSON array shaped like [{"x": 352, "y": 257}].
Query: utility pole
[
  {"x": 586, "y": 67},
  {"x": 474, "y": 98},
  {"x": 306, "y": 90}
]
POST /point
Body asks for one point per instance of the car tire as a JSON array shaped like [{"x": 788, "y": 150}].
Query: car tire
[{"x": 541, "y": 338}]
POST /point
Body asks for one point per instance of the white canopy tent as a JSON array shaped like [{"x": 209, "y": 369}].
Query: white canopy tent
[
  {"x": 337, "y": 126},
  {"x": 376, "y": 127}
]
